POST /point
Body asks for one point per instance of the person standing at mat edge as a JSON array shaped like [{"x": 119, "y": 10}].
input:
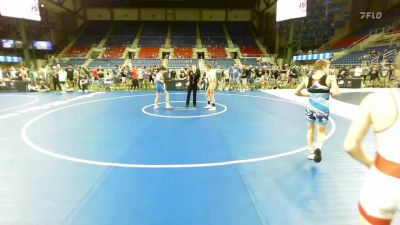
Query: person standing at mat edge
[
  {"x": 160, "y": 88},
  {"x": 380, "y": 195},
  {"x": 212, "y": 86},
  {"x": 193, "y": 79},
  {"x": 320, "y": 85}
]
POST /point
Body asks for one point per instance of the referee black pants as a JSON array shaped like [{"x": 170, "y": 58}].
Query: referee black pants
[{"x": 192, "y": 87}]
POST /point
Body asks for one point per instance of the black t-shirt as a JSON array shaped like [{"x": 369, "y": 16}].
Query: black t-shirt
[
  {"x": 258, "y": 72},
  {"x": 70, "y": 73},
  {"x": 244, "y": 73},
  {"x": 248, "y": 73},
  {"x": 276, "y": 74},
  {"x": 173, "y": 74},
  {"x": 374, "y": 72},
  {"x": 294, "y": 73}
]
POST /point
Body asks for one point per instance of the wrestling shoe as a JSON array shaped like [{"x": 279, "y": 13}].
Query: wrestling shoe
[{"x": 318, "y": 156}]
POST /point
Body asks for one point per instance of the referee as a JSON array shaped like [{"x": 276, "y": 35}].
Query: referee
[{"x": 193, "y": 79}]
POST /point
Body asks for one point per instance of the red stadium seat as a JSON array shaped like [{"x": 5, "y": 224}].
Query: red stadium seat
[
  {"x": 78, "y": 51},
  {"x": 251, "y": 51},
  {"x": 149, "y": 52},
  {"x": 114, "y": 52},
  {"x": 183, "y": 52},
  {"x": 217, "y": 52},
  {"x": 347, "y": 42}
]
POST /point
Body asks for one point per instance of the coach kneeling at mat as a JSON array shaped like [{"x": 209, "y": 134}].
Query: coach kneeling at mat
[{"x": 193, "y": 79}]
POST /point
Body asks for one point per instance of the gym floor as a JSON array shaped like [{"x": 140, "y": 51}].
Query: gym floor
[{"x": 110, "y": 158}]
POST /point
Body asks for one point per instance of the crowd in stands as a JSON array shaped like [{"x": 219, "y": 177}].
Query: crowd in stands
[
  {"x": 376, "y": 75},
  {"x": 230, "y": 75}
]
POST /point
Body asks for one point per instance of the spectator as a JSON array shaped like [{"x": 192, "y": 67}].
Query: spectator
[
  {"x": 135, "y": 80},
  {"x": 365, "y": 72},
  {"x": 56, "y": 81},
  {"x": 62, "y": 77},
  {"x": 374, "y": 76},
  {"x": 70, "y": 76},
  {"x": 357, "y": 72},
  {"x": 384, "y": 76}
]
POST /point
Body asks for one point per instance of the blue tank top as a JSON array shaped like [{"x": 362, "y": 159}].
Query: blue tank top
[{"x": 319, "y": 93}]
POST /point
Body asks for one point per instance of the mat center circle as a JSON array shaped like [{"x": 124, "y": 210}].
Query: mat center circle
[{"x": 180, "y": 111}]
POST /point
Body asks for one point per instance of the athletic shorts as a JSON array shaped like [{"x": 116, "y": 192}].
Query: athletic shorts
[
  {"x": 315, "y": 116},
  {"x": 244, "y": 81},
  {"x": 211, "y": 89},
  {"x": 374, "y": 77},
  {"x": 237, "y": 80},
  {"x": 160, "y": 88},
  {"x": 379, "y": 197}
]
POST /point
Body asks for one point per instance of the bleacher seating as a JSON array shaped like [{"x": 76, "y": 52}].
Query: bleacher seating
[
  {"x": 121, "y": 37},
  {"x": 119, "y": 41},
  {"x": 155, "y": 29},
  {"x": 152, "y": 41},
  {"x": 251, "y": 51},
  {"x": 212, "y": 34},
  {"x": 253, "y": 62},
  {"x": 388, "y": 19},
  {"x": 357, "y": 57},
  {"x": 83, "y": 45},
  {"x": 320, "y": 25},
  {"x": 77, "y": 51},
  {"x": 182, "y": 63},
  {"x": 146, "y": 62},
  {"x": 183, "y": 42},
  {"x": 241, "y": 36},
  {"x": 75, "y": 62},
  {"x": 347, "y": 42},
  {"x": 106, "y": 63},
  {"x": 149, "y": 52},
  {"x": 154, "y": 34},
  {"x": 183, "y": 34},
  {"x": 88, "y": 41},
  {"x": 243, "y": 41},
  {"x": 114, "y": 52},
  {"x": 183, "y": 52},
  {"x": 216, "y": 52},
  {"x": 211, "y": 29},
  {"x": 239, "y": 29},
  {"x": 222, "y": 63},
  {"x": 214, "y": 41},
  {"x": 249, "y": 61}
]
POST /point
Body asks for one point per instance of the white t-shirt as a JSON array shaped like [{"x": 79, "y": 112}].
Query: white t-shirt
[
  {"x": 140, "y": 74},
  {"x": 160, "y": 77},
  {"x": 62, "y": 76},
  {"x": 226, "y": 74},
  {"x": 357, "y": 72},
  {"x": 212, "y": 75},
  {"x": 13, "y": 74}
]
